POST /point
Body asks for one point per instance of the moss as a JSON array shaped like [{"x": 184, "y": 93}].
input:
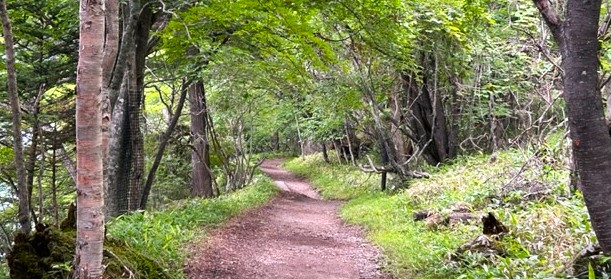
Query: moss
[{"x": 48, "y": 254}]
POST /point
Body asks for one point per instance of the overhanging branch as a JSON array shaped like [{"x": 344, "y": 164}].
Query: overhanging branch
[{"x": 551, "y": 19}]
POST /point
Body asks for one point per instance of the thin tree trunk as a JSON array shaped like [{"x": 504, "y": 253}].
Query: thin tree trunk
[
  {"x": 111, "y": 49},
  {"x": 301, "y": 140},
  {"x": 31, "y": 163},
  {"x": 338, "y": 150},
  {"x": 275, "y": 141},
  {"x": 24, "y": 202},
  {"x": 348, "y": 136},
  {"x": 492, "y": 122},
  {"x": 41, "y": 170},
  {"x": 54, "y": 187},
  {"x": 67, "y": 162},
  {"x": 325, "y": 155},
  {"x": 454, "y": 124},
  {"x": 90, "y": 179},
  {"x": 162, "y": 144}
]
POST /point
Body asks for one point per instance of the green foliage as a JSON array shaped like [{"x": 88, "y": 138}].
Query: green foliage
[
  {"x": 48, "y": 254},
  {"x": 163, "y": 235},
  {"x": 340, "y": 181},
  {"x": 546, "y": 232}
]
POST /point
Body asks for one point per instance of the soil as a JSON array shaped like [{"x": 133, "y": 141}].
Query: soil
[{"x": 296, "y": 235}]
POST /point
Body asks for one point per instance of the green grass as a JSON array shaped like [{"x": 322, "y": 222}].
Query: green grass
[
  {"x": 164, "y": 234},
  {"x": 544, "y": 234}
]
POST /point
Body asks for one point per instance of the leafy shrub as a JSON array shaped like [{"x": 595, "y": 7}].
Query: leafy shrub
[{"x": 547, "y": 230}]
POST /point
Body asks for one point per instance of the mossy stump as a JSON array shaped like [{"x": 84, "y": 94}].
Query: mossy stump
[{"x": 48, "y": 253}]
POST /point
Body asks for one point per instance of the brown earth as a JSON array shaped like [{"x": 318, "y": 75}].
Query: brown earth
[{"x": 296, "y": 235}]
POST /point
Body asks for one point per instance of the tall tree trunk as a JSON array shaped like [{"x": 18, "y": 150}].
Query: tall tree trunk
[
  {"x": 41, "y": 170},
  {"x": 136, "y": 174},
  {"x": 428, "y": 119},
  {"x": 579, "y": 46},
  {"x": 24, "y": 201},
  {"x": 89, "y": 146},
  {"x": 33, "y": 152},
  {"x": 201, "y": 180},
  {"x": 126, "y": 90},
  {"x": 162, "y": 144},
  {"x": 398, "y": 104},
  {"x": 455, "y": 108},
  {"x": 111, "y": 50},
  {"x": 54, "y": 188},
  {"x": 494, "y": 146}
]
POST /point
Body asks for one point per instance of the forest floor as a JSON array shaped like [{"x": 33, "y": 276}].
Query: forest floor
[{"x": 296, "y": 235}]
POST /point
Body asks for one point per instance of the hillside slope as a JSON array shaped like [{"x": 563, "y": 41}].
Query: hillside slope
[{"x": 548, "y": 225}]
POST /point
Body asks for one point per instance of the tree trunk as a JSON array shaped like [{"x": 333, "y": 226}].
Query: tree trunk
[
  {"x": 301, "y": 140},
  {"x": 126, "y": 93},
  {"x": 41, "y": 169},
  {"x": 111, "y": 50},
  {"x": 579, "y": 46},
  {"x": 398, "y": 104},
  {"x": 454, "y": 120},
  {"x": 162, "y": 144},
  {"x": 325, "y": 155},
  {"x": 24, "y": 201},
  {"x": 67, "y": 162},
  {"x": 54, "y": 187},
  {"x": 428, "y": 121},
  {"x": 136, "y": 174},
  {"x": 89, "y": 164},
  {"x": 201, "y": 180},
  {"x": 349, "y": 137}
]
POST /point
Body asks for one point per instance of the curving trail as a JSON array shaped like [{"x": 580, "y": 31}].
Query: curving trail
[{"x": 296, "y": 235}]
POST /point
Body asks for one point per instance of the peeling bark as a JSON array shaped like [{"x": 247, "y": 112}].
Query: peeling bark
[{"x": 89, "y": 182}]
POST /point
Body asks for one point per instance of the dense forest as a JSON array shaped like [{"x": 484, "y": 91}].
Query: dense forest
[{"x": 121, "y": 120}]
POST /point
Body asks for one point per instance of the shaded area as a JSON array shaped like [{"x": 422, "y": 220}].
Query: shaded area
[
  {"x": 297, "y": 235},
  {"x": 49, "y": 253}
]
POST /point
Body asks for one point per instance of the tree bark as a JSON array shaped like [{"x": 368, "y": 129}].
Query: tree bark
[
  {"x": 89, "y": 164},
  {"x": 201, "y": 180},
  {"x": 24, "y": 201},
  {"x": 32, "y": 154},
  {"x": 111, "y": 49},
  {"x": 579, "y": 46},
  {"x": 325, "y": 155},
  {"x": 126, "y": 92},
  {"x": 136, "y": 174},
  {"x": 428, "y": 121},
  {"x": 54, "y": 188}
]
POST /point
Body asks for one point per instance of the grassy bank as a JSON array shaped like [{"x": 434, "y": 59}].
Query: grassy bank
[
  {"x": 547, "y": 224},
  {"x": 163, "y": 235}
]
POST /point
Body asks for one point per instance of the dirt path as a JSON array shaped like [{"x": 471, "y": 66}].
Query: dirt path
[{"x": 297, "y": 235}]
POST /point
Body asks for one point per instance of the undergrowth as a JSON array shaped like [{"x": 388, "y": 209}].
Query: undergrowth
[
  {"x": 162, "y": 235},
  {"x": 526, "y": 189}
]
